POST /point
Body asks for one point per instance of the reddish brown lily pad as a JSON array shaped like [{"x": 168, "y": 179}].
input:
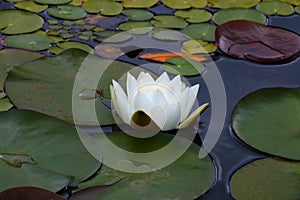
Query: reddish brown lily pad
[
  {"x": 28, "y": 193},
  {"x": 256, "y": 42}
]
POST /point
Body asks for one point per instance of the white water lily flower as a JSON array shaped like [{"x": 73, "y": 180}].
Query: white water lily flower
[{"x": 165, "y": 102}]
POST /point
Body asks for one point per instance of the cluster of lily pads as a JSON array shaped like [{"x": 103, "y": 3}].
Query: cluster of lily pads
[{"x": 37, "y": 121}]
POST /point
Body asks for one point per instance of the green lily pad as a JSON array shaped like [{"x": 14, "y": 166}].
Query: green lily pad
[
  {"x": 139, "y": 3},
  {"x": 46, "y": 85},
  {"x": 34, "y": 42},
  {"x": 104, "y": 7},
  {"x": 67, "y": 12},
  {"x": 198, "y": 46},
  {"x": 184, "y": 4},
  {"x": 204, "y": 31},
  {"x": 5, "y": 104},
  {"x": 297, "y": 9},
  {"x": 26, "y": 157},
  {"x": 2, "y": 95},
  {"x": 292, "y": 2},
  {"x": 183, "y": 66},
  {"x": 275, "y": 8},
  {"x": 52, "y": 2},
  {"x": 116, "y": 37},
  {"x": 183, "y": 174},
  {"x": 137, "y": 14},
  {"x": 227, "y": 15},
  {"x": 268, "y": 120},
  {"x": 29, "y": 193},
  {"x": 267, "y": 179},
  {"x": 194, "y": 15},
  {"x": 168, "y": 21},
  {"x": 232, "y": 3},
  {"x": 18, "y": 21},
  {"x": 166, "y": 35},
  {"x": 10, "y": 58},
  {"x": 31, "y": 6},
  {"x": 136, "y": 27},
  {"x": 62, "y": 46}
]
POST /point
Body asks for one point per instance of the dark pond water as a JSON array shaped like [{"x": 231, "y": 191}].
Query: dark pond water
[{"x": 240, "y": 77}]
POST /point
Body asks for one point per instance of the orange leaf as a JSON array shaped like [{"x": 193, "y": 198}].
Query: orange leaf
[{"x": 162, "y": 57}]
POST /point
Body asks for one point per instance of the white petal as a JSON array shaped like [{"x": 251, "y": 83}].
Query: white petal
[
  {"x": 164, "y": 80},
  {"x": 121, "y": 105},
  {"x": 192, "y": 95},
  {"x": 193, "y": 116},
  {"x": 144, "y": 78},
  {"x": 173, "y": 116},
  {"x": 183, "y": 100},
  {"x": 132, "y": 85},
  {"x": 176, "y": 85},
  {"x": 157, "y": 97},
  {"x": 158, "y": 115},
  {"x": 141, "y": 102}
]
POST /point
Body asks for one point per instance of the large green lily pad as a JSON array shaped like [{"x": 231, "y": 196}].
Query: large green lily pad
[
  {"x": 184, "y": 4},
  {"x": 292, "y": 2},
  {"x": 227, "y": 15},
  {"x": 183, "y": 66},
  {"x": 18, "y": 21},
  {"x": 232, "y": 3},
  {"x": 268, "y": 120},
  {"x": 168, "y": 21},
  {"x": 204, "y": 31},
  {"x": 105, "y": 7},
  {"x": 137, "y": 14},
  {"x": 32, "y": 42},
  {"x": 14, "y": 57},
  {"x": 267, "y": 179},
  {"x": 31, "y": 6},
  {"x": 67, "y": 12},
  {"x": 139, "y": 3},
  {"x": 186, "y": 178},
  {"x": 53, "y": 2},
  {"x": 37, "y": 150},
  {"x": 46, "y": 85},
  {"x": 194, "y": 15},
  {"x": 274, "y": 7}
]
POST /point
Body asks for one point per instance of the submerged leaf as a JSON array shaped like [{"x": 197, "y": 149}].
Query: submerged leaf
[{"x": 257, "y": 42}]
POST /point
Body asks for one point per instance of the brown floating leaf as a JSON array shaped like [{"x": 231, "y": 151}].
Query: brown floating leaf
[
  {"x": 163, "y": 56},
  {"x": 108, "y": 51},
  {"x": 28, "y": 193},
  {"x": 256, "y": 42}
]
